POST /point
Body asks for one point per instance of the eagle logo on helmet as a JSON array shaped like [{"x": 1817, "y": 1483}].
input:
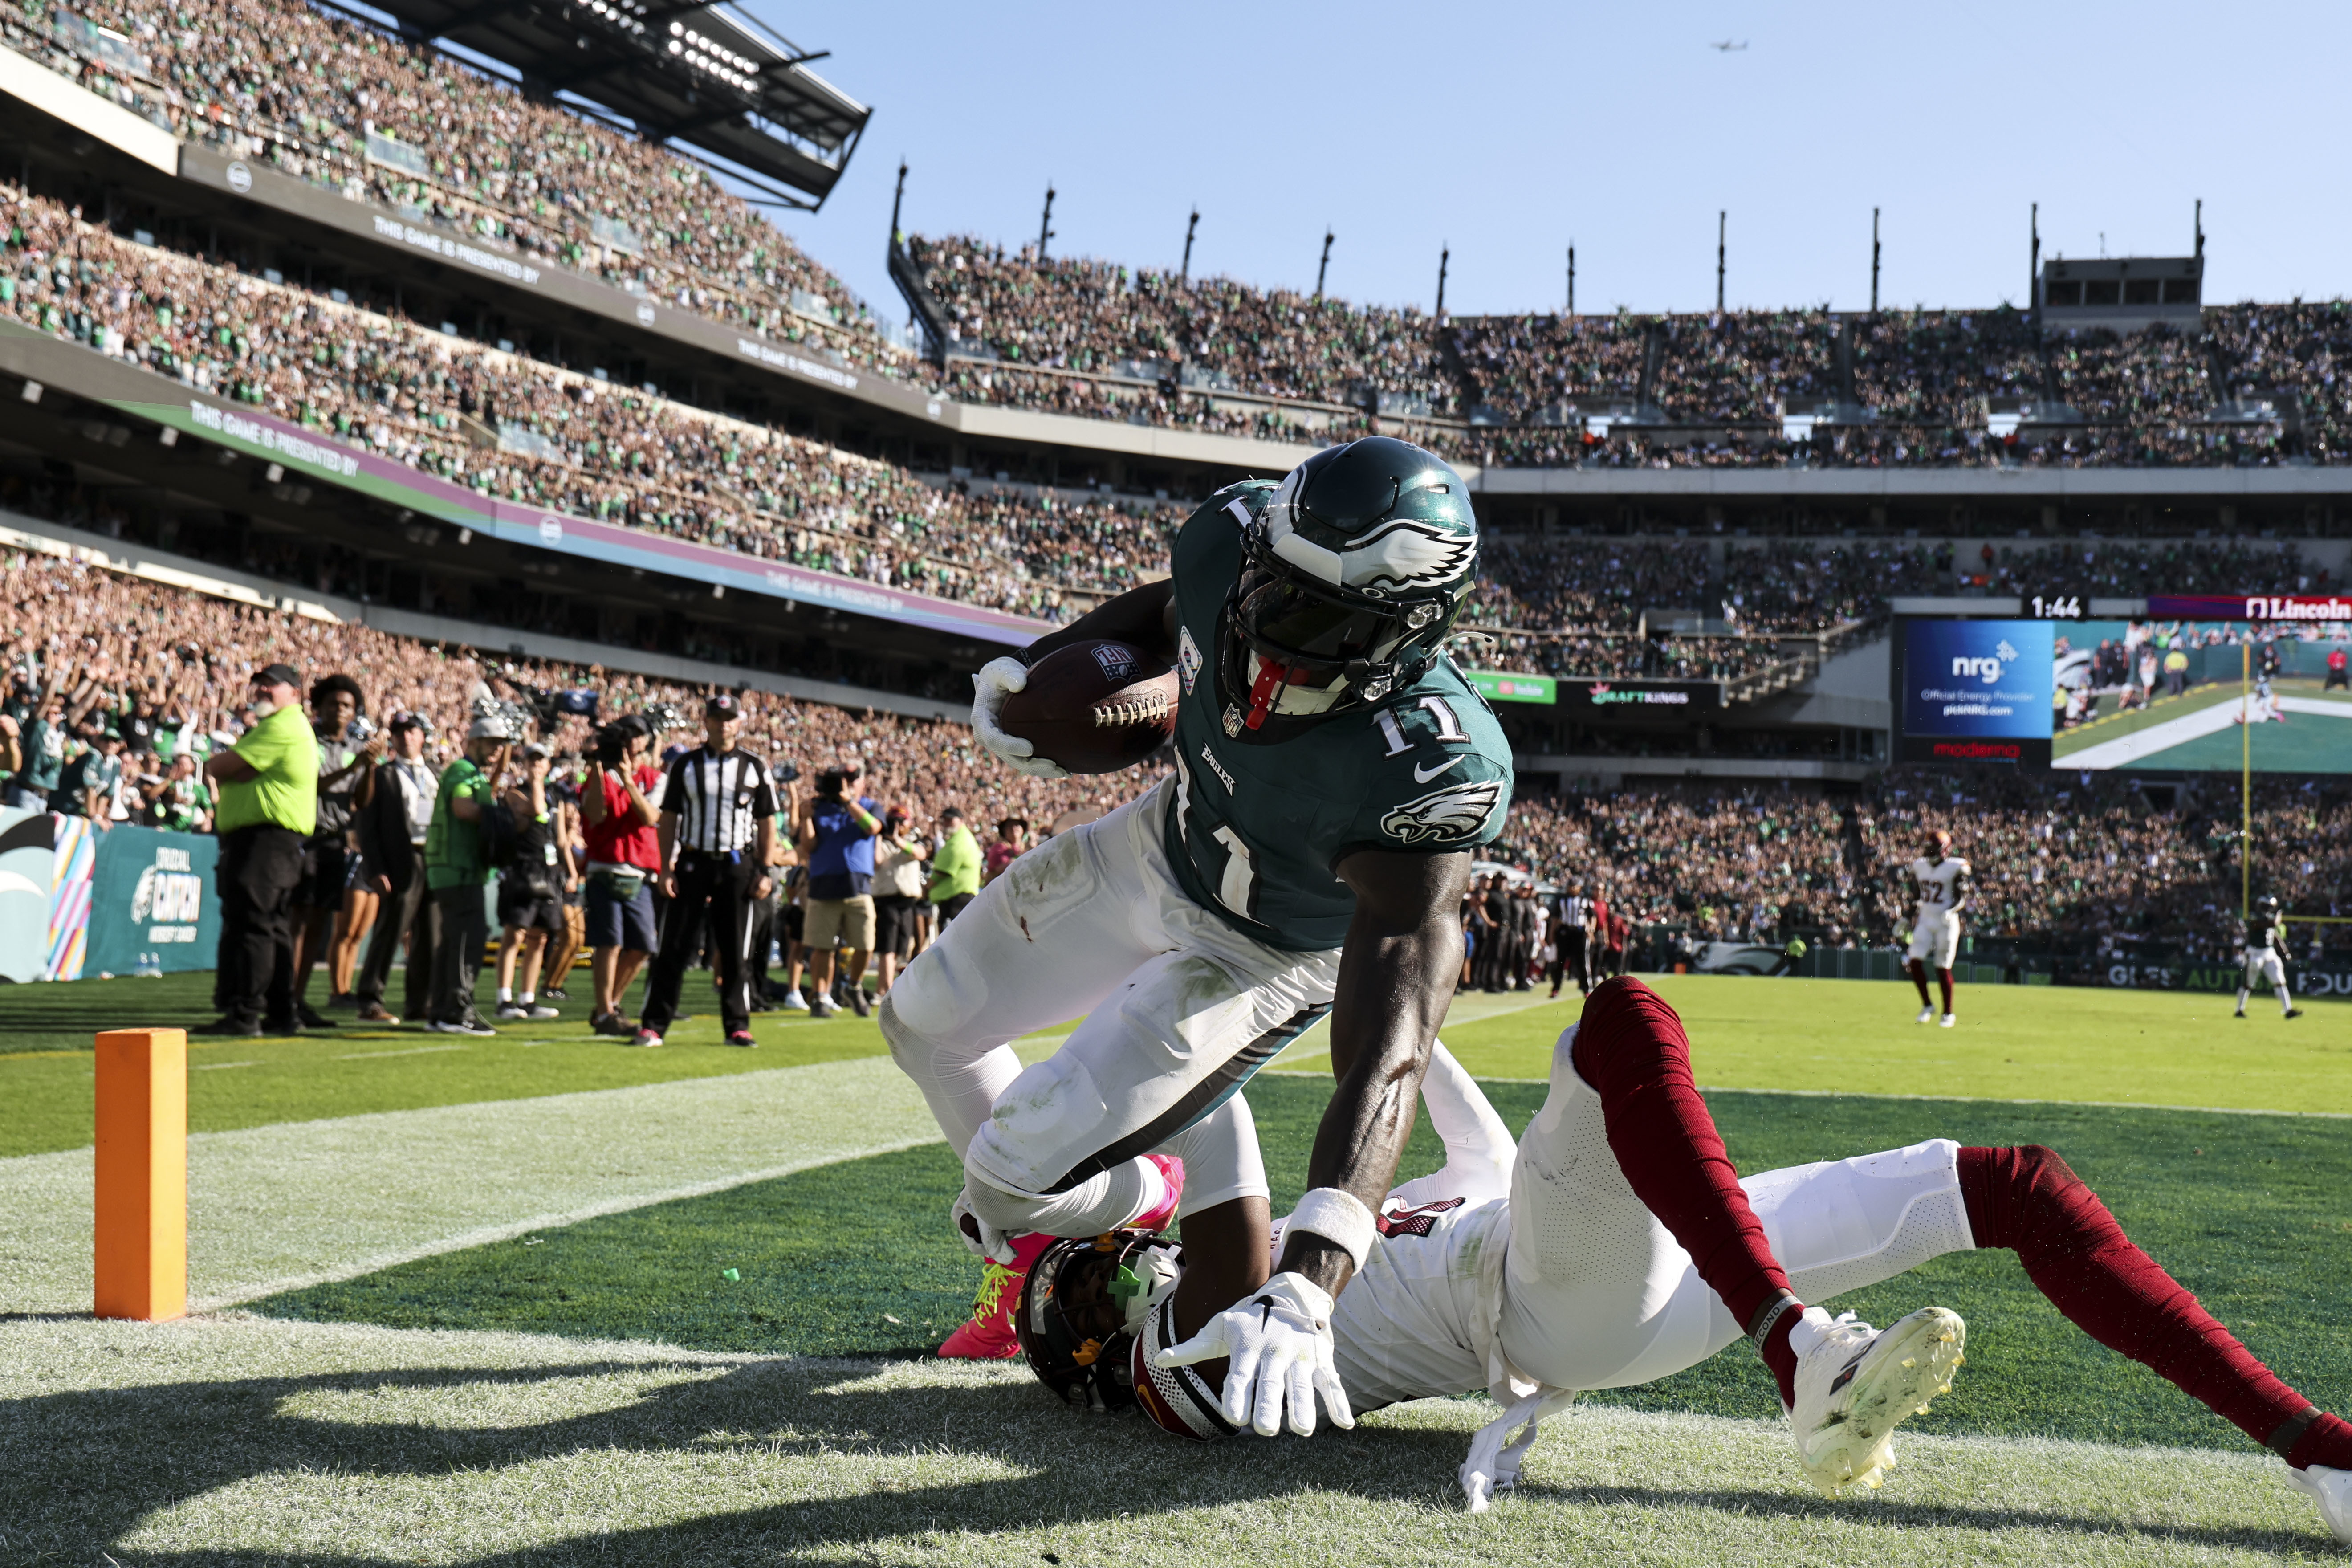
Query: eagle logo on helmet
[
  {"x": 1459, "y": 811},
  {"x": 1404, "y": 553}
]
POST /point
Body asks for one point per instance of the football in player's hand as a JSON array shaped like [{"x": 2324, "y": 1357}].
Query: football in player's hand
[{"x": 1094, "y": 707}]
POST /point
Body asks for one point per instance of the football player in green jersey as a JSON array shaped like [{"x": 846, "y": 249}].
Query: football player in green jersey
[{"x": 1334, "y": 772}]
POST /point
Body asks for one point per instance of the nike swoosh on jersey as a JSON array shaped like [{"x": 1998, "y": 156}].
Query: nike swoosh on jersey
[{"x": 1423, "y": 776}]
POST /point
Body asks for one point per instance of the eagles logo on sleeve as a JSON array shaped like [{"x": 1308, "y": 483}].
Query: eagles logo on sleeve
[{"x": 1458, "y": 811}]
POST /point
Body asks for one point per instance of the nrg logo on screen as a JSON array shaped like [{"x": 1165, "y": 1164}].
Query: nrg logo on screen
[{"x": 1988, "y": 670}]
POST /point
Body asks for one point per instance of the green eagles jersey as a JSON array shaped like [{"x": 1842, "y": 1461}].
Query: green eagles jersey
[{"x": 1259, "y": 824}]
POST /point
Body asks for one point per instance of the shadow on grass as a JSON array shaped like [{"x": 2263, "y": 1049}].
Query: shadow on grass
[{"x": 80, "y": 1470}]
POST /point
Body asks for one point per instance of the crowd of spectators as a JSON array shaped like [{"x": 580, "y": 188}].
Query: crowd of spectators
[
  {"x": 1095, "y": 339},
  {"x": 142, "y": 681},
  {"x": 2082, "y": 862},
  {"x": 1085, "y": 315},
  {"x": 524, "y": 431},
  {"x": 307, "y": 91},
  {"x": 521, "y": 430},
  {"x": 332, "y": 101},
  {"x": 168, "y": 670}
]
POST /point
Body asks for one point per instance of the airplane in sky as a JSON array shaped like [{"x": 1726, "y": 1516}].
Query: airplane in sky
[{"x": 1729, "y": 48}]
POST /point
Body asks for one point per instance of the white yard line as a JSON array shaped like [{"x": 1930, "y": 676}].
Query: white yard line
[
  {"x": 411, "y": 1051},
  {"x": 278, "y": 1207}
]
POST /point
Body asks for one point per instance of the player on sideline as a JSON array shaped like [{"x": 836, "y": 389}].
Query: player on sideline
[
  {"x": 1588, "y": 1288},
  {"x": 2266, "y": 955},
  {"x": 1333, "y": 771},
  {"x": 1942, "y": 878}
]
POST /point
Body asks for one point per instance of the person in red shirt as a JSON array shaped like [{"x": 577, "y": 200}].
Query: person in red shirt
[
  {"x": 2337, "y": 673},
  {"x": 617, "y": 821},
  {"x": 1012, "y": 838}
]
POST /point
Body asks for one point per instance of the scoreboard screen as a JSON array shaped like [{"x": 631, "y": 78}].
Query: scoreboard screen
[{"x": 2160, "y": 694}]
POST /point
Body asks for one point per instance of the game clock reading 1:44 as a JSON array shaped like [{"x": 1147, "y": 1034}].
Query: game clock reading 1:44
[{"x": 2058, "y": 607}]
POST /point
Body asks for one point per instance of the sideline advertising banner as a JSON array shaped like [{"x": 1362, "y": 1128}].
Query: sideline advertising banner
[
  {"x": 1668, "y": 697},
  {"x": 28, "y": 858},
  {"x": 153, "y": 906},
  {"x": 1499, "y": 686},
  {"x": 1975, "y": 691}
]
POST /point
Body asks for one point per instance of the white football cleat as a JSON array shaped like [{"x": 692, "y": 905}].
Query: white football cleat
[
  {"x": 1857, "y": 1383},
  {"x": 1927, "y": 1016},
  {"x": 1949, "y": 1020},
  {"x": 2332, "y": 1490}
]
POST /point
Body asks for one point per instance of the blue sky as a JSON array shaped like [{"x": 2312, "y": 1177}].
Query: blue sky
[{"x": 1507, "y": 131}]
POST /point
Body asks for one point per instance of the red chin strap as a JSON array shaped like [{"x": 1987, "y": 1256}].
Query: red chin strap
[{"x": 1270, "y": 679}]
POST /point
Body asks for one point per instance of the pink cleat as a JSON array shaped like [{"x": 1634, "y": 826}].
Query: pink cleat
[
  {"x": 1158, "y": 1215},
  {"x": 990, "y": 1335}
]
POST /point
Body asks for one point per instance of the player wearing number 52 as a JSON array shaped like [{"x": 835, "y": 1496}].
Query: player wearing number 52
[{"x": 1334, "y": 772}]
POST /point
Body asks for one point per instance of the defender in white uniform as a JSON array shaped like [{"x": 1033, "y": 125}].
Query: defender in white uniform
[
  {"x": 1533, "y": 1273},
  {"x": 1942, "y": 880},
  {"x": 2266, "y": 955}
]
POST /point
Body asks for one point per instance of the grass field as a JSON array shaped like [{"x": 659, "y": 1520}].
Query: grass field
[{"x": 487, "y": 1314}]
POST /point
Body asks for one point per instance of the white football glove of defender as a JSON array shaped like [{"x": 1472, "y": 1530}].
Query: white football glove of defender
[
  {"x": 996, "y": 681},
  {"x": 1278, "y": 1346},
  {"x": 980, "y": 1239}
]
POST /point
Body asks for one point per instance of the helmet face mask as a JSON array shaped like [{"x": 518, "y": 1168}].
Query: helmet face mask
[
  {"x": 1081, "y": 1305},
  {"x": 1350, "y": 581}
]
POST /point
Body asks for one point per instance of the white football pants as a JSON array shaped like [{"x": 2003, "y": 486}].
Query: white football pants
[
  {"x": 1598, "y": 1295},
  {"x": 1179, "y": 1010}
]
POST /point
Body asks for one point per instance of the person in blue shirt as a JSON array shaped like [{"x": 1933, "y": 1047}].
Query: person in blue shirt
[{"x": 837, "y": 844}]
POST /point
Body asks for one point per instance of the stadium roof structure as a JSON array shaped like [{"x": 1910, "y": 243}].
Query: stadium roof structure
[{"x": 706, "y": 76}]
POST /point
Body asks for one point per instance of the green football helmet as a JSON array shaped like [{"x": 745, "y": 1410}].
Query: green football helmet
[{"x": 1352, "y": 578}]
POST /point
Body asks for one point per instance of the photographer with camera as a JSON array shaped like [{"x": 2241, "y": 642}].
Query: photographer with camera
[
  {"x": 531, "y": 889},
  {"x": 391, "y": 827},
  {"x": 717, "y": 833},
  {"x": 457, "y": 869},
  {"x": 616, "y": 822},
  {"x": 349, "y": 749},
  {"x": 837, "y": 844}
]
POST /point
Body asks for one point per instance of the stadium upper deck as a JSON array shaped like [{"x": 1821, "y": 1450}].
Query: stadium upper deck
[{"x": 442, "y": 155}]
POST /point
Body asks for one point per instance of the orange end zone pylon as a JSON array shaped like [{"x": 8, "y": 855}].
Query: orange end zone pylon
[{"x": 142, "y": 1175}]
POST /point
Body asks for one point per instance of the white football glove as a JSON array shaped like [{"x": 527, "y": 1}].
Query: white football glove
[
  {"x": 1278, "y": 1346},
  {"x": 996, "y": 681},
  {"x": 980, "y": 1239}
]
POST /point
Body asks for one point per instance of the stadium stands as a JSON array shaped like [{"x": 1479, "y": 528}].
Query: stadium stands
[
  {"x": 507, "y": 427},
  {"x": 362, "y": 112},
  {"x": 1900, "y": 388},
  {"x": 2087, "y": 868},
  {"x": 105, "y": 639}
]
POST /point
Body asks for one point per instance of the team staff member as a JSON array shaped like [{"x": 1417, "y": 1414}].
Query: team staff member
[
  {"x": 268, "y": 784},
  {"x": 346, "y": 782},
  {"x": 955, "y": 868},
  {"x": 390, "y": 828},
  {"x": 457, "y": 869},
  {"x": 771, "y": 930},
  {"x": 717, "y": 834},
  {"x": 898, "y": 883},
  {"x": 616, "y": 821}
]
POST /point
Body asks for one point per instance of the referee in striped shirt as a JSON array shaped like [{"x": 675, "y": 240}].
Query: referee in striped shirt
[{"x": 717, "y": 828}]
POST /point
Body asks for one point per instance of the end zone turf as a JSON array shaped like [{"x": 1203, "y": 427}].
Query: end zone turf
[{"x": 274, "y": 1444}]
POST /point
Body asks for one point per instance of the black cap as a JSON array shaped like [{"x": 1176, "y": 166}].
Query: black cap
[
  {"x": 724, "y": 705},
  {"x": 277, "y": 675}
]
